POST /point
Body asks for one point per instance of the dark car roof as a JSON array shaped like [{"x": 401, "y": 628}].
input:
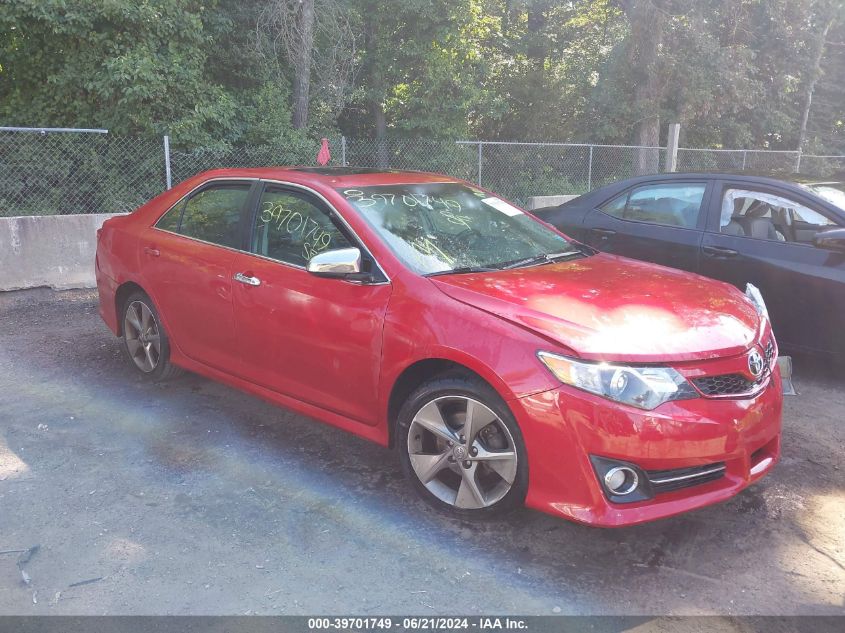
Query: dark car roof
[{"x": 793, "y": 183}]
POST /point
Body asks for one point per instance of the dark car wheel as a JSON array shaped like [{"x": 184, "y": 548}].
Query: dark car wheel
[
  {"x": 461, "y": 448},
  {"x": 144, "y": 341}
]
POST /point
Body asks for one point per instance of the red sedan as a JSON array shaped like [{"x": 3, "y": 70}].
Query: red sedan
[{"x": 506, "y": 363}]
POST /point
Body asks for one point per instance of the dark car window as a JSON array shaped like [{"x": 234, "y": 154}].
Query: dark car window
[
  {"x": 292, "y": 228},
  {"x": 768, "y": 216},
  {"x": 671, "y": 204},
  {"x": 213, "y": 215}
]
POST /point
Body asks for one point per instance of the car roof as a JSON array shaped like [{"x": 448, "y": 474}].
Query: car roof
[
  {"x": 793, "y": 182},
  {"x": 759, "y": 177},
  {"x": 336, "y": 177}
]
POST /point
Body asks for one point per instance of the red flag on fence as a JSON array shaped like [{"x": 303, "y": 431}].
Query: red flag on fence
[{"x": 324, "y": 155}]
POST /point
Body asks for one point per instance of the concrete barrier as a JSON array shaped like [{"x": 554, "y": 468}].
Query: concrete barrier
[
  {"x": 50, "y": 250},
  {"x": 538, "y": 202}
]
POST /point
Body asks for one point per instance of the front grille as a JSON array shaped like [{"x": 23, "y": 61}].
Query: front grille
[
  {"x": 724, "y": 385},
  {"x": 677, "y": 478},
  {"x": 736, "y": 384}
]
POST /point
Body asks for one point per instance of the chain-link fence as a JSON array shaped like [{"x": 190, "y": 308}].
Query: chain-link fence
[
  {"x": 46, "y": 173},
  {"x": 65, "y": 173}
]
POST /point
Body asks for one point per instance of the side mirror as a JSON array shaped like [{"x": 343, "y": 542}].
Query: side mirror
[
  {"x": 832, "y": 240},
  {"x": 337, "y": 263}
]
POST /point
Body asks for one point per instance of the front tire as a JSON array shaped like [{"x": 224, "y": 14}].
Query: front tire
[
  {"x": 145, "y": 342},
  {"x": 461, "y": 448}
]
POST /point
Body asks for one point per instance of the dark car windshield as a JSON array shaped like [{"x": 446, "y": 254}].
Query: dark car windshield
[
  {"x": 833, "y": 192},
  {"x": 441, "y": 227}
]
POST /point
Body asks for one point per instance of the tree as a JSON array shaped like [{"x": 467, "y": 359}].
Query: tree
[
  {"x": 826, "y": 16},
  {"x": 310, "y": 38}
]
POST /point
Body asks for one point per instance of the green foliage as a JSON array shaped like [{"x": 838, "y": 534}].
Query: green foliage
[{"x": 733, "y": 72}]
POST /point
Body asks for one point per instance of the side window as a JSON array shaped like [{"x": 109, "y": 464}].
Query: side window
[
  {"x": 675, "y": 204},
  {"x": 214, "y": 214},
  {"x": 170, "y": 220},
  {"x": 616, "y": 207},
  {"x": 291, "y": 228},
  {"x": 768, "y": 216}
]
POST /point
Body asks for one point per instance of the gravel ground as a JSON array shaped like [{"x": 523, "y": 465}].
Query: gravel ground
[{"x": 193, "y": 498}]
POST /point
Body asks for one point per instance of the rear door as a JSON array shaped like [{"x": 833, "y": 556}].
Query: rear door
[
  {"x": 763, "y": 235},
  {"x": 659, "y": 222},
  {"x": 186, "y": 264}
]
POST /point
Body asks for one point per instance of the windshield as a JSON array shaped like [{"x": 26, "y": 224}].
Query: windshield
[
  {"x": 833, "y": 192},
  {"x": 441, "y": 227}
]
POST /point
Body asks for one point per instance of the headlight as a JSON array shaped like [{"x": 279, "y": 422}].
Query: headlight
[
  {"x": 756, "y": 297},
  {"x": 644, "y": 387}
]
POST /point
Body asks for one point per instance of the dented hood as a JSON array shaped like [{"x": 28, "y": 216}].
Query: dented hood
[{"x": 605, "y": 307}]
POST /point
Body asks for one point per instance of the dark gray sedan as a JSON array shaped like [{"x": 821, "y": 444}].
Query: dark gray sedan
[{"x": 786, "y": 238}]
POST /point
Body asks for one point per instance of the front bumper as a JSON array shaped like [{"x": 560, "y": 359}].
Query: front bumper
[{"x": 564, "y": 426}]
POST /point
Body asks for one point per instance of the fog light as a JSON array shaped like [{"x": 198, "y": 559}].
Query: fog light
[{"x": 621, "y": 480}]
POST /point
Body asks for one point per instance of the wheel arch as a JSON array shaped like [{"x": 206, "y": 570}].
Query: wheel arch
[
  {"x": 122, "y": 293},
  {"x": 423, "y": 370}
]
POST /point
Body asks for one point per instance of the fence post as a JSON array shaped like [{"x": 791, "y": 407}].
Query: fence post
[
  {"x": 671, "y": 163},
  {"x": 343, "y": 150},
  {"x": 168, "y": 176},
  {"x": 798, "y": 162},
  {"x": 478, "y": 181},
  {"x": 744, "y": 157},
  {"x": 590, "y": 171}
]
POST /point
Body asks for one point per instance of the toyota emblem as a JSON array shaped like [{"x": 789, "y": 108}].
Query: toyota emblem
[{"x": 755, "y": 363}]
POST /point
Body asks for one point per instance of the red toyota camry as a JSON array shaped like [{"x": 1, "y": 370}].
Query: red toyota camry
[{"x": 506, "y": 363}]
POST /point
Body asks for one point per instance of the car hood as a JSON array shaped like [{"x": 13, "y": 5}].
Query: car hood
[{"x": 606, "y": 307}]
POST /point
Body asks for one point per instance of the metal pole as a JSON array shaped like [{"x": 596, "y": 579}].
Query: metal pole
[
  {"x": 167, "y": 174},
  {"x": 44, "y": 130},
  {"x": 343, "y": 150},
  {"x": 590, "y": 171},
  {"x": 744, "y": 157},
  {"x": 479, "y": 164},
  {"x": 671, "y": 163},
  {"x": 798, "y": 163}
]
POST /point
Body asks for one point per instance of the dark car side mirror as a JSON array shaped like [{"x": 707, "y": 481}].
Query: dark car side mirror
[{"x": 832, "y": 240}]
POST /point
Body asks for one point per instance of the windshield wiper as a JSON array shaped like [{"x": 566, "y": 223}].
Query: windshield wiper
[
  {"x": 541, "y": 259},
  {"x": 462, "y": 270}
]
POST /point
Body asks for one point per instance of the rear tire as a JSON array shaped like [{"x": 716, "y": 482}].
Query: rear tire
[
  {"x": 144, "y": 341},
  {"x": 461, "y": 448}
]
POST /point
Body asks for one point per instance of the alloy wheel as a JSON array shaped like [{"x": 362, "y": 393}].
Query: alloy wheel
[
  {"x": 462, "y": 452},
  {"x": 143, "y": 337}
]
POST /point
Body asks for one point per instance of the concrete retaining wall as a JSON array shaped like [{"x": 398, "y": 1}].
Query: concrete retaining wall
[
  {"x": 538, "y": 202},
  {"x": 51, "y": 250}
]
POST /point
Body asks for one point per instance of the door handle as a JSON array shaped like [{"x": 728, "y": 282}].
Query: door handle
[
  {"x": 603, "y": 232},
  {"x": 718, "y": 251},
  {"x": 246, "y": 279},
  {"x": 151, "y": 251}
]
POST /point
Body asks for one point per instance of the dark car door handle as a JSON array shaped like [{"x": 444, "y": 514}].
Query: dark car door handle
[
  {"x": 603, "y": 232},
  {"x": 718, "y": 251},
  {"x": 154, "y": 252}
]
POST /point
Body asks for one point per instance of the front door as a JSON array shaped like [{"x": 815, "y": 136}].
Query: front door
[
  {"x": 658, "y": 222},
  {"x": 316, "y": 339}
]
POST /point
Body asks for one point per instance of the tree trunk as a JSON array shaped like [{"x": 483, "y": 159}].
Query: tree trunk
[
  {"x": 382, "y": 158},
  {"x": 647, "y": 25},
  {"x": 302, "y": 64},
  {"x": 812, "y": 79}
]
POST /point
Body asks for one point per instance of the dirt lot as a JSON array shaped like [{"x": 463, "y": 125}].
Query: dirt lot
[{"x": 191, "y": 497}]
